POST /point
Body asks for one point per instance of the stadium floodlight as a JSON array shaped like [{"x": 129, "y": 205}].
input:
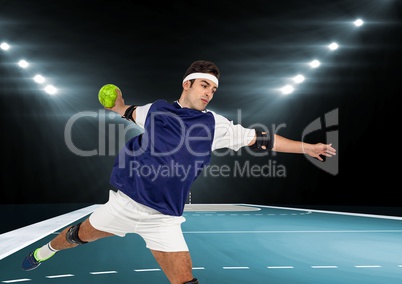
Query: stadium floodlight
[
  {"x": 287, "y": 89},
  {"x": 298, "y": 78},
  {"x": 315, "y": 63},
  {"x": 39, "y": 79},
  {"x": 23, "y": 63},
  {"x": 358, "y": 22},
  {"x": 4, "y": 46},
  {"x": 51, "y": 90},
  {"x": 333, "y": 46}
]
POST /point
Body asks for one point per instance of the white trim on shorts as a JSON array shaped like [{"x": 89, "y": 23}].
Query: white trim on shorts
[{"x": 121, "y": 215}]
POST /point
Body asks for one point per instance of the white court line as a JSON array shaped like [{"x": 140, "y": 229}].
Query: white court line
[
  {"x": 328, "y": 212},
  {"x": 280, "y": 267},
  {"x": 324, "y": 266},
  {"x": 367, "y": 266},
  {"x": 198, "y": 268},
  {"x": 59, "y": 276},
  {"x": 146, "y": 270},
  {"x": 16, "y": 280},
  {"x": 102, "y": 272},
  {"x": 236, "y": 267},
  {"x": 292, "y": 232},
  {"x": 13, "y": 241}
]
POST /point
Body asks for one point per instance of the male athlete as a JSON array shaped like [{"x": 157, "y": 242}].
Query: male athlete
[{"x": 179, "y": 137}]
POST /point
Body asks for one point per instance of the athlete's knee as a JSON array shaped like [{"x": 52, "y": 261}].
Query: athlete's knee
[
  {"x": 72, "y": 235},
  {"x": 194, "y": 281}
]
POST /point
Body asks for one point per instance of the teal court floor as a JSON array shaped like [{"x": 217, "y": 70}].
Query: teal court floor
[{"x": 229, "y": 243}]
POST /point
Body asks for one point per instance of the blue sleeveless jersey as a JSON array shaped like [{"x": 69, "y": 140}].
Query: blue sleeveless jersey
[{"x": 158, "y": 167}]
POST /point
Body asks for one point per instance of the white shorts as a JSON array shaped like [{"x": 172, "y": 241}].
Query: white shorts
[{"x": 122, "y": 215}]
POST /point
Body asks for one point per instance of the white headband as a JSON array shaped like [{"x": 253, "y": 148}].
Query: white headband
[{"x": 201, "y": 75}]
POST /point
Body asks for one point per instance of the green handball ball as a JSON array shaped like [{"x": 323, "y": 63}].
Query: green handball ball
[{"x": 107, "y": 95}]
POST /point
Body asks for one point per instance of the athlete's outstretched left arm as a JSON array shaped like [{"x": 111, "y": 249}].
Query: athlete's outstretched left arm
[
  {"x": 279, "y": 143},
  {"x": 282, "y": 144}
]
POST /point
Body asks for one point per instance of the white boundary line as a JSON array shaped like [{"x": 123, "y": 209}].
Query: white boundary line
[
  {"x": 330, "y": 212},
  {"x": 15, "y": 240}
]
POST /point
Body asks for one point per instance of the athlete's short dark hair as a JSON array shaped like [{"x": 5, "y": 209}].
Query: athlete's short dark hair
[{"x": 203, "y": 66}]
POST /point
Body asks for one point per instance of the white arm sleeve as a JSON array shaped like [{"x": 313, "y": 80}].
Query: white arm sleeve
[
  {"x": 229, "y": 135},
  {"x": 141, "y": 114}
]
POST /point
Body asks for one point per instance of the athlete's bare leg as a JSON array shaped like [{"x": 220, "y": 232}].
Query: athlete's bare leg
[
  {"x": 177, "y": 266},
  {"x": 86, "y": 233}
]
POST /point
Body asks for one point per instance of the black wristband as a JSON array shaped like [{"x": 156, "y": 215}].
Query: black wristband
[
  {"x": 264, "y": 142},
  {"x": 128, "y": 114}
]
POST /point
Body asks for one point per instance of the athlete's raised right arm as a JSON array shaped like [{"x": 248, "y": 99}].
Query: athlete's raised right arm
[{"x": 130, "y": 112}]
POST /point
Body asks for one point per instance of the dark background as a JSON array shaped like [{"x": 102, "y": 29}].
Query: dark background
[{"x": 145, "y": 49}]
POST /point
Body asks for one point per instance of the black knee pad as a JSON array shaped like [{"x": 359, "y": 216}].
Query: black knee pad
[
  {"x": 194, "y": 281},
  {"x": 72, "y": 235}
]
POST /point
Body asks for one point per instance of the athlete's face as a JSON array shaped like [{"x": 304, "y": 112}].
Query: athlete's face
[{"x": 198, "y": 95}]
